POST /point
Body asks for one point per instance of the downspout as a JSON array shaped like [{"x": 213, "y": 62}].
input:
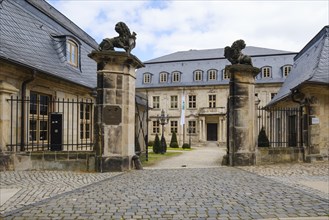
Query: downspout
[
  {"x": 23, "y": 108},
  {"x": 299, "y": 98}
]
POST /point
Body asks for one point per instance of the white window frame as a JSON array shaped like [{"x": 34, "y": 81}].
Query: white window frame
[
  {"x": 174, "y": 102},
  {"x": 266, "y": 72},
  {"x": 198, "y": 75},
  {"x": 212, "y": 100},
  {"x": 192, "y": 125},
  {"x": 174, "y": 126},
  {"x": 226, "y": 75},
  {"x": 212, "y": 74},
  {"x": 156, "y": 102},
  {"x": 72, "y": 52},
  {"x": 147, "y": 78},
  {"x": 286, "y": 70},
  {"x": 192, "y": 101},
  {"x": 156, "y": 127},
  {"x": 163, "y": 77},
  {"x": 175, "y": 76}
]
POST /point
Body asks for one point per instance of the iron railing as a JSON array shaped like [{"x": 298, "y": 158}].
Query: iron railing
[
  {"x": 45, "y": 124},
  {"x": 282, "y": 126}
]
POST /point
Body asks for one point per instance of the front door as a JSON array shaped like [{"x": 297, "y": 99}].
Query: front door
[{"x": 212, "y": 132}]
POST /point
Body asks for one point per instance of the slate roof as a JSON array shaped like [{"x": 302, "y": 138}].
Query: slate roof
[
  {"x": 209, "y": 54},
  {"x": 311, "y": 65},
  {"x": 32, "y": 35},
  {"x": 187, "y": 62}
]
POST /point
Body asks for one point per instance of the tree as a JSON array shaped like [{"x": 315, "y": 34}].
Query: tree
[
  {"x": 156, "y": 144},
  {"x": 262, "y": 139},
  {"x": 173, "y": 142}
]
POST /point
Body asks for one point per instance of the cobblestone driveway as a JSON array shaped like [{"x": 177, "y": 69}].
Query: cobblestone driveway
[{"x": 199, "y": 193}]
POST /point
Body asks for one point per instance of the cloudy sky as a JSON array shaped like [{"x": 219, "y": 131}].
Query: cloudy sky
[{"x": 165, "y": 27}]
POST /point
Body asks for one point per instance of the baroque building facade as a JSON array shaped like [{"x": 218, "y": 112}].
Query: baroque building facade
[{"x": 192, "y": 88}]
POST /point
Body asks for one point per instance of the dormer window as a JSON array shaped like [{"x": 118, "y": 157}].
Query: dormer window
[
  {"x": 72, "y": 52},
  {"x": 175, "y": 77},
  {"x": 198, "y": 75},
  {"x": 266, "y": 72},
  {"x": 163, "y": 77},
  {"x": 212, "y": 74},
  {"x": 286, "y": 70},
  {"x": 226, "y": 75},
  {"x": 147, "y": 78}
]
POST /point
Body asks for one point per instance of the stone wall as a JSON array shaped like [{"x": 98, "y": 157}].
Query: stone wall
[{"x": 268, "y": 155}]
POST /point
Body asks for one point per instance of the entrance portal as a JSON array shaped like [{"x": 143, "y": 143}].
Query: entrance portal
[{"x": 212, "y": 132}]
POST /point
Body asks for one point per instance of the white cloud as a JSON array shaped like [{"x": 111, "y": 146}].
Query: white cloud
[{"x": 164, "y": 27}]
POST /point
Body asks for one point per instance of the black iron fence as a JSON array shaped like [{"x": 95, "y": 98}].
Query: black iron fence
[
  {"x": 40, "y": 123},
  {"x": 283, "y": 126}
]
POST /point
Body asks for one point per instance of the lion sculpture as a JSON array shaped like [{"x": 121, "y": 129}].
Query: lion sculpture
[
  {"x": 234, "y": 54},
  {"x": 125, "y": 40}
]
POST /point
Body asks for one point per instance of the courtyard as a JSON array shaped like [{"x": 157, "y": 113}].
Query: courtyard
[{"x": 211, "y": 191}]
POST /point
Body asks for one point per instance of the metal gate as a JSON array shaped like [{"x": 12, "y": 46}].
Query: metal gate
[{"x": 283, "y": 126}]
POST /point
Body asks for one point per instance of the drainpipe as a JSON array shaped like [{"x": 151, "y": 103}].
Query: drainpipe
[
  {"x": 299, "y": 98},
  {"x": 23, "y": 108}
]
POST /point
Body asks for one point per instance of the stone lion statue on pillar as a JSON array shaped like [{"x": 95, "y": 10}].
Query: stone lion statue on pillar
[
  {"x": 234, "y": 54},
  {"x": 125, "y": 40}
]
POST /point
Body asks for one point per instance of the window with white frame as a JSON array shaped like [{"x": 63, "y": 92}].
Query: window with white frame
[
  {"x": 72, "y": 53},
  {"x": 173, "y": 126},
  {"x": 174, "y": 101},
  {"x": 38, "y": 118},
  {"x": 85, "y": 120},
  {"x": 286, "y": 70},
  {"x": 212, "y": 74},
  {"x": 192, "y": 126},
  {"x": 147, "y": 78},
  {"x": 266, "y": 72},
  {"x": 198, "y": 75},
  {"x": 175, "y": 77},
  {"x": 192, "y": 101},
  {"x": 212, "y": 101},
  {"x": 156, "y": 102},
  {"x": 156, "y": 127},
  {"x": 226, "y": 74},
  {"x": 163, "y": 77}
]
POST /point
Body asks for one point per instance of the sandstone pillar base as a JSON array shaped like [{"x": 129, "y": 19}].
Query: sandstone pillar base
[{"x": 115, "y": 164}]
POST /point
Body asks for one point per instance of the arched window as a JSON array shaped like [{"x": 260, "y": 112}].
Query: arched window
[
  {"x": 147, "y": 78},
  {"x": 72, "y": 53},
  {"x": 198, "y": 75},
  {"x": 226, "y": 75},
  {"x": 286, "y": 70},
  {"x": 163, "y": 77},
  {"x": 175, "y": 77},
  {"x": 212, "y": 74},
  {"x": 266, "y": 72}
]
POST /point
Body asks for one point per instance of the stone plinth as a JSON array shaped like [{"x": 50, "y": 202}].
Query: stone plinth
[
  {"x": 242, "y": 115},
  {"x": 115, "y": 109}
]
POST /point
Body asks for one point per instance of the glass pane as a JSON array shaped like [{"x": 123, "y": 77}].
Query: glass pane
[{"x": 33, "y": 103}]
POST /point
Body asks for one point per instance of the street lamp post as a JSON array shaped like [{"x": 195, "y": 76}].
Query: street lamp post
[{"x": 163, "y": 119}]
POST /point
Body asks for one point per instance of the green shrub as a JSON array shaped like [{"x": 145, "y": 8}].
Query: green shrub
[
  {"x": 165, "y": 145},
  {"x": 186, "y": 146},
  {"x": 173, "y": 142},
  {"x": 156, "y": 144},
  {"x": 262, "y": 139},
  {"x": 150, "y": 143}
]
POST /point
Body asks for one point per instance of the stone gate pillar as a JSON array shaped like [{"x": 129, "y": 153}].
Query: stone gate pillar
[
  {"x": 242, "y": 115},
  {"x": 115, "y": 109}
]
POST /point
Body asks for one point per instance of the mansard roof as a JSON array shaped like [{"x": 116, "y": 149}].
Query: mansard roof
[
  {"x": 218, "y": 53},
  {"x": 187, "y": 62},
  {"x": 32, "y": 35},
  {"x": 311, "y": 65}
]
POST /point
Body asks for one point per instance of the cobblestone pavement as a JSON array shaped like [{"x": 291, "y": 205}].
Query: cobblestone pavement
[
  {"x": 34, "y": 186},
  {"x": 310, "y": 177},
  {"x": 196, "y": 193}
]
